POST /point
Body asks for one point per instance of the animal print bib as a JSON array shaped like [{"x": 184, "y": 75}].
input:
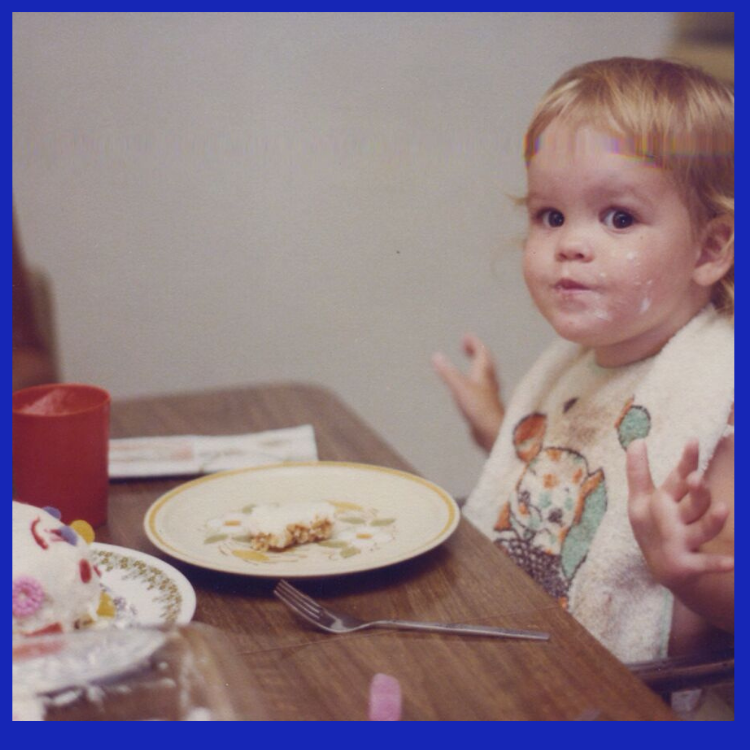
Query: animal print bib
[{"x": 553, "y": 494}]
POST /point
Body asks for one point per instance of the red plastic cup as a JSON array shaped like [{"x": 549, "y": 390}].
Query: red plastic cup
[{"x": 61, "y": 449}]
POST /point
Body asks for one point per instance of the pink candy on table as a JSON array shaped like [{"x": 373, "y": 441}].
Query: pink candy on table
[{"x": 385, "y": 698}]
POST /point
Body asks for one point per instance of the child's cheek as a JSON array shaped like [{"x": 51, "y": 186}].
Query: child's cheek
[
  {"x": 645, "y": 305},
  {"x": 643, "y": 293},
  {"x": 635, "y": 269}
]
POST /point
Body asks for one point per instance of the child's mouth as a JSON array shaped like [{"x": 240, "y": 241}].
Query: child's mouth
[{"x": 569, "y": 285}]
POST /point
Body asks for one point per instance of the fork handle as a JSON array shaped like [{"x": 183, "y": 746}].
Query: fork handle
[{"x": 439, "y": 627}]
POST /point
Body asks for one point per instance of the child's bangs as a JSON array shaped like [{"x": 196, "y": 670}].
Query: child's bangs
[
  {"x": 667, "y": 114},
  {"x": 646, "y": 130}
]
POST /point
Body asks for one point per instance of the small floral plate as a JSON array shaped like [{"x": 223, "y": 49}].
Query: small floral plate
[
  {"x": 381, "y": 517},
  {"x": 145, "y": 590}
]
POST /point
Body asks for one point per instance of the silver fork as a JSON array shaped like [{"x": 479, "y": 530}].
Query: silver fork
[{"x": 338, "y": 622}]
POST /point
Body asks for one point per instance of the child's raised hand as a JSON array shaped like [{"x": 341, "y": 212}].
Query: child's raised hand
[
  {"x": 476, "y": 393},
  {"x": 672, "y": 522}
]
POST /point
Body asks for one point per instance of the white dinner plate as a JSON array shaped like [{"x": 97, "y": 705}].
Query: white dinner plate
[
  {"x": 146, "y": 590},
  {"x": 382, "y": 516}
]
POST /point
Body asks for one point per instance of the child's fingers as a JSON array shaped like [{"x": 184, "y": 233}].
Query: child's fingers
[
  {"x": 697, "y": 500},
  {"x": 640, "y": 484},
  {"x": 708, "y": 526},
  {"x": 472, "y": 345},
  {"x": 482, "y": 367},
  {"x": 449, "y": 373},
  {"x": 470, "y": 342},
  {"x": 712, "y": 564},
  {"x": 676, "y": 483},
  {"x": 452, "y": 377}
]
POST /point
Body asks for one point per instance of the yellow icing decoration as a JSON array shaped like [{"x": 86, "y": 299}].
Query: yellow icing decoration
[
  {"x": 84, "y": 530},
  {"x": 106, "y": 606}
]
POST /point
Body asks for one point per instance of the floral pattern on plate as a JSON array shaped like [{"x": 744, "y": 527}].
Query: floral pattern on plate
[
  {"x": 356, "y": 530},
  {"x": 145, "y": 590}
]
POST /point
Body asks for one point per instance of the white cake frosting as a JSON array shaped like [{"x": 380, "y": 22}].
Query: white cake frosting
[
  {"x": 277, "y": 527},
  {"x": 56, "y": 586},
  {"x": 274, "y": 520}
]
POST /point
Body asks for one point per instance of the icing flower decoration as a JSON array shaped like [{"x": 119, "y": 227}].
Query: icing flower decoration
[
  {"x": 28, "y": 596},
  {"x": 53, "y": 511},
  {"x": 37, "y": 536},
  {"x": 68, "y": 535},
  {"x": 85, "y": 570},
  {"x": 84, "y": 530}
]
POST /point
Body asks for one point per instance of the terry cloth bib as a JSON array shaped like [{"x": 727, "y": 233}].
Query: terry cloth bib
[{"x": 554, "y": 495}]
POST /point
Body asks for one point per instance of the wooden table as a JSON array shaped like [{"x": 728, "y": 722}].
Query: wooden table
[{"x": 303, "y": 674}]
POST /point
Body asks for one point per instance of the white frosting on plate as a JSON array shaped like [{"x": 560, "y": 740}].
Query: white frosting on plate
[
  {"x": 275, "y": 519},
  {"x": 278, "y": 526}
]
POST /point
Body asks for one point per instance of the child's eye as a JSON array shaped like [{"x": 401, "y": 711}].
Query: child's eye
[
  {"x": 551, "y": 217},
  {"x": 615, "y": 218}
]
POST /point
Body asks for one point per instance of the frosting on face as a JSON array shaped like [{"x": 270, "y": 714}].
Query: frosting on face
[{"x": 612, "y": 249}]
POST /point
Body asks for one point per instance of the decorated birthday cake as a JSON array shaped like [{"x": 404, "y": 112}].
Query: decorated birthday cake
[{"x": 56, "y": 585}]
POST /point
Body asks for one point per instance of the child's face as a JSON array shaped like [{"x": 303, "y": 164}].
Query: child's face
[{"x": 611, "y": 248}]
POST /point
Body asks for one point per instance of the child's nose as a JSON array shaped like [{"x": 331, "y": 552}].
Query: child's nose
[{"x": 572, "y": 246}]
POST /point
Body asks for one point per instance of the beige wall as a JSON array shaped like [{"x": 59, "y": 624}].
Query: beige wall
[{"x": 234, "y": 198}]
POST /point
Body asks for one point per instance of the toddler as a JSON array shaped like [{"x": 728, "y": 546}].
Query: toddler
[{"x": 610, "y": 476}]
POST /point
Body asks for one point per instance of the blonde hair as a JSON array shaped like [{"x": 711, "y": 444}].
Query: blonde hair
[{"x": 671, "y": 114}]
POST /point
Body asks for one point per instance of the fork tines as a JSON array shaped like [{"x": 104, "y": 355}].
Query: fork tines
[{"x": 296, "y": 599}]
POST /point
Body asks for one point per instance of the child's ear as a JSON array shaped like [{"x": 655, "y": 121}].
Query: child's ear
[{"x": 716, "y": 252}]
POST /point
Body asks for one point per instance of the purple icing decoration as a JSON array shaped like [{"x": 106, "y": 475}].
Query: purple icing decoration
[
  {"x": 68, "y": 535},
  {"x": 53, "y": 511}
]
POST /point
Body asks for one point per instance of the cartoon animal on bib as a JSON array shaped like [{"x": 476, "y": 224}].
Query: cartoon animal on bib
[{"x": 548, "y": 523}]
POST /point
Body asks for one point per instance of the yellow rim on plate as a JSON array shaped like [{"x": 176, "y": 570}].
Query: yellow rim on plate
[{"x": 384, "y": 516}]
